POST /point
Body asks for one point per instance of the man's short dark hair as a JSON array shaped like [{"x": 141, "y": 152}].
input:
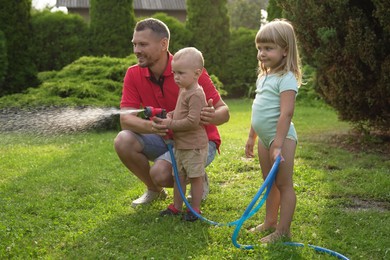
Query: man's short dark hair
[{"x": 155, "y": 25}]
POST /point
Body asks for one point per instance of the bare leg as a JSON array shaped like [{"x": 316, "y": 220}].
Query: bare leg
[
  {"x": 284, "y": 183},
  {"x": 197, "y": 192},
  {"x": 273, "y": 200},
  {"x": 129, "y": 151},
  {"x": 161, "y": 174},
  {"x": 177, "y": 200}
]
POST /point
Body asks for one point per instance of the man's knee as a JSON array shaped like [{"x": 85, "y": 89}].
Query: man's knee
[
  {"x": 124, "y": 140},
  {"x": 161, "y": 174}
]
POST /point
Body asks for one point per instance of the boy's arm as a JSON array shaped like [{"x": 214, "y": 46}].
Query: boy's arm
[{"x": 192, "y": 120}]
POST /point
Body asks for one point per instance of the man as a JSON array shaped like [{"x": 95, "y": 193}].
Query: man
[{"x": 151, "y": 83}]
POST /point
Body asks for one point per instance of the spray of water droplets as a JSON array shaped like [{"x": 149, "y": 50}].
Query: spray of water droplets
[{"x": 48, "y": 121}]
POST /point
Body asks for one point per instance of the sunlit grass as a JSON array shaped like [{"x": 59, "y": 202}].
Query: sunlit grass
[{"x": 69, "y": 197}]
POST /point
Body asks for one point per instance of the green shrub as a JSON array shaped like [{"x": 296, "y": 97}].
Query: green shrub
[
  {"x": 180, "y": 36},
  {"x": 88, "y": 81},
  {"x": 59, "y": 39},
  {"x": 3, "y": 58},
  {"x": 347, "y": 42},
  {"x": 218, "y": 85},
  {"x": 240, "y": 71},
  {"x": 274, "y": 10},
  {"x": 209, "y": 24},
  {"x": 111, "y": 27},
  {"x": 245, "y": 13},
  {"x": 307, "y": 92},
  {"x": 15, "y": 22}
]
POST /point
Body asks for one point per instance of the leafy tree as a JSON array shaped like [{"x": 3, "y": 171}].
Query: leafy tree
[
  {"x": 3, "y": 57},
  {"x": 246, "y": 13},
  {"x": 240, "y": 70},
  {"x": 274, "y": 10},
  {"x": 347, "y": 42},
  {"x": 209, "y": 24},
  {"x": 111, "y": 26},
  {"x": 180, "y": 36},
  {"x": 16, "y": 26},
  {"x": 59, "y": 39}
]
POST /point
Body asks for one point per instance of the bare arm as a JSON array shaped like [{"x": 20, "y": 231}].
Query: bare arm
[
  {"x": 250, "y": 143},
  {"x": 139, "y": 125},
  {"x": 287, "y": 104}
]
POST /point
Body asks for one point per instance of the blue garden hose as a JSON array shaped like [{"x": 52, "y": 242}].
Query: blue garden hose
[
  {"x": 268, "y": 182},
  {"x": 318, "y": 249}
]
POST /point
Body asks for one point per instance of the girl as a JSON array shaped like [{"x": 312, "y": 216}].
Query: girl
[{"x": 272, "y": 110}]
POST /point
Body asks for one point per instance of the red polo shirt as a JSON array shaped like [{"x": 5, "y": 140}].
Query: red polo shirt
[{"x": 139, "y": 90}]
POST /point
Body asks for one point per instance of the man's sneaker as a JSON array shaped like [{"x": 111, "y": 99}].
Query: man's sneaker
[
  {"x": 148, "y": 197},
  {"x": 170, "y": 211},
  {"x": 190, "y": 216},
  {"x": 206, "y": 189}
]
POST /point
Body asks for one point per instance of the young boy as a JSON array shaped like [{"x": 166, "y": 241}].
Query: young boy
[{"x": 190, "y": 138}]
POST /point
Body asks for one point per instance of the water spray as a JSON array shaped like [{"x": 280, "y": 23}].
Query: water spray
[
  {"x": 148, "y": 111},
  {"x": 63, "y": 120}
]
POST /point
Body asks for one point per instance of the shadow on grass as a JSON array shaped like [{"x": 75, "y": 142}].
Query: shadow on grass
[
  {"x": 329, "y": 181},
  {"x": 141, "y": 234}
]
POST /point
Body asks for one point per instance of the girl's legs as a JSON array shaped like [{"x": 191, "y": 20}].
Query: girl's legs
[
  {"x": 273, "y": 200},
  {"x": 284, "y": 183}
]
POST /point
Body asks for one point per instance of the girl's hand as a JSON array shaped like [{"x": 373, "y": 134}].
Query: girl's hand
[
  {"x": 250, "y": 144},
  {"x": 276, "y": 152}
]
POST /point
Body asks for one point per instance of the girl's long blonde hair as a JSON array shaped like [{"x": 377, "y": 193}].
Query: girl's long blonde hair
[{"x": 281, "y": 33}]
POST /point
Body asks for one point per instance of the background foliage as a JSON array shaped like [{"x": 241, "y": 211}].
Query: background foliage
[
  {"x": 180, "y": 36},
  {"x": 16, "y": 25},
  {"x": 347, "y": 42},
  {"x": 3, "y": 57},
  {"x": 246, "y": 13},
  {"x": 59, "y": 39},
  {"x": 274, "y": 11},
  {"x": 344, "y": 46},
  {"x": 88, "y": 81},
  {"x": 210, "y": 31},
  {"x": 111, "y": 27},
  {"x": 239, "y": 72}
]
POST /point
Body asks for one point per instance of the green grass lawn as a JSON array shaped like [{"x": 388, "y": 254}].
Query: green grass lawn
[{"x": 69, "y": 197}]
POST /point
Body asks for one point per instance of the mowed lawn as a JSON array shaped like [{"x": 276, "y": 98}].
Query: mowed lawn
[{"x": 69, "y": 196}]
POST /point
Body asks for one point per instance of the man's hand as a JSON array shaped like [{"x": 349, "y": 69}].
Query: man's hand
[
  {"x": 207, "y": 114},
  {"x": 158, "y": 126}
]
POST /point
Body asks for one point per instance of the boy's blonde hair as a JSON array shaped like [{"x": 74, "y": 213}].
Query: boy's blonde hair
[
  {"x": 193, "y": 54},
  {"x": 281, "y": 33}
]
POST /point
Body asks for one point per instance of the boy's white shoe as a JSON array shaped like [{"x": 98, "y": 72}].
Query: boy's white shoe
[{"x": 149, "y": 196}]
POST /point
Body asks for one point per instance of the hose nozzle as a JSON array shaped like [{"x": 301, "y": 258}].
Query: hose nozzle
[{"x": 152, "y": 111}]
